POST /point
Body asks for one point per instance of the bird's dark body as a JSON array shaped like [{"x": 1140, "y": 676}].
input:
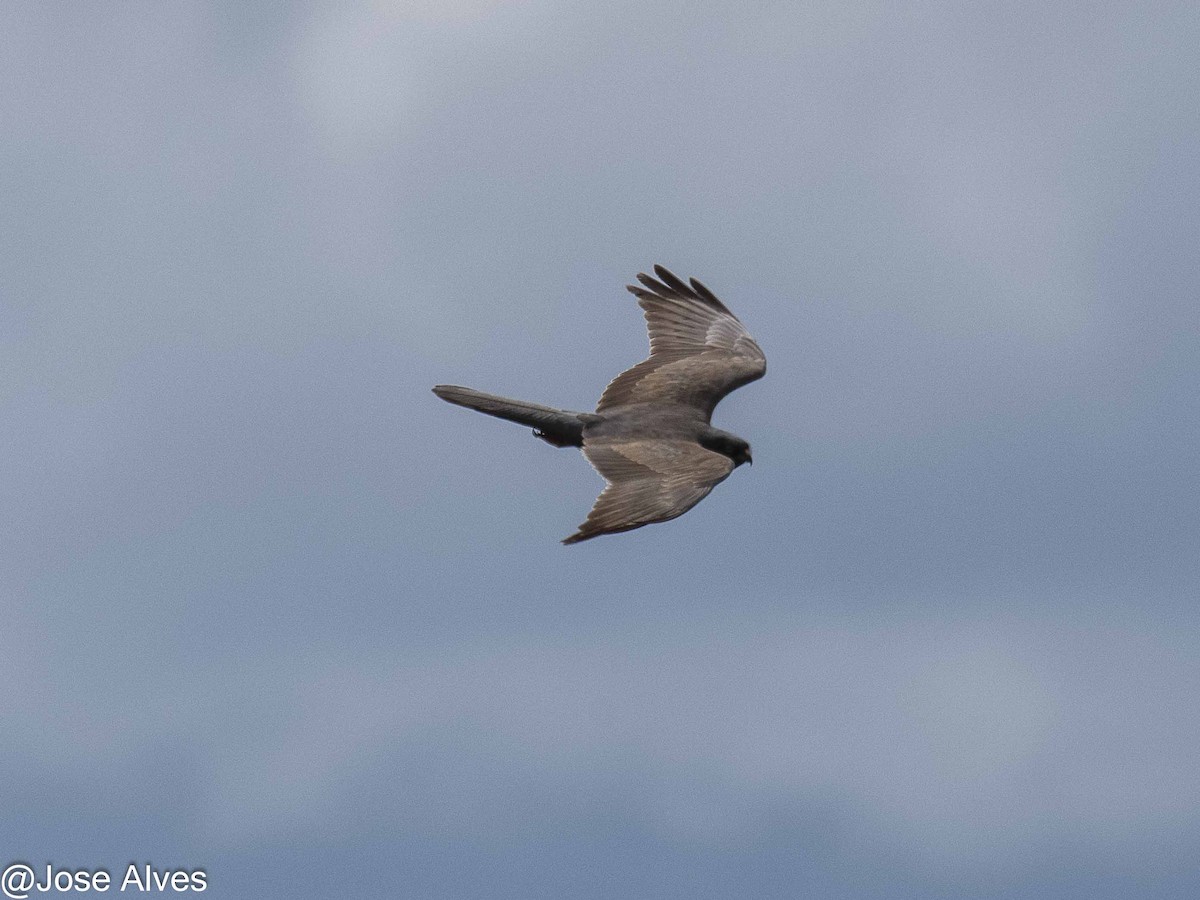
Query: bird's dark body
[
  {"x": 650, "y": 436},
  {"x": 651, "y": 421},
  {"x": 648, "y": 420}
]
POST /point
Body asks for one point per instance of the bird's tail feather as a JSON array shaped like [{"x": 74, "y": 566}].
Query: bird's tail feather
[{"x": 556, "y": 426}]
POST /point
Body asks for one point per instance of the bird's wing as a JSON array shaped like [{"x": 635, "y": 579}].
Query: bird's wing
[
  {"x": 649, "y": 480},
  {"x": 699, "y": 351}
]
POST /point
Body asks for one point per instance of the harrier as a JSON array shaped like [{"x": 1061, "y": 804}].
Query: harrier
[{"x": 650, "y": 436}]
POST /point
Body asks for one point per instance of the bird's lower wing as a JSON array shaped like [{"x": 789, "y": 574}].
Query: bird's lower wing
[{"x": 648, "y": 481}]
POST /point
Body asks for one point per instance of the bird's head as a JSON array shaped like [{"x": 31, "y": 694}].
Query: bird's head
[{"x": 727, "y": 444}]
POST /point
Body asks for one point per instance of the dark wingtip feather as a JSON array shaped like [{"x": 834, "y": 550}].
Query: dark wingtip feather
[
  {"x": 671, "y": 280},
  {"x": 673, "y": 285},
  {"x": 704, "y": 293},
  {"x": 661, "y": 289}
]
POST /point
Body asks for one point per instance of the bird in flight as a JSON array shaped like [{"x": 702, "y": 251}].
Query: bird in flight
[{"x": 651, "y": 435}]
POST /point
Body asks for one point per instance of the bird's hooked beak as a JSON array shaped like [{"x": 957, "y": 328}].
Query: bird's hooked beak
[{"x": 749, "y": 458}]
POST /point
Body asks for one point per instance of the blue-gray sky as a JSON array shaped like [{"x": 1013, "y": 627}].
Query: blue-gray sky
[{"x": 272, "y": 610}]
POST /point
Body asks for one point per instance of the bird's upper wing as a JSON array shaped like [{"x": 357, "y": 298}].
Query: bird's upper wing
[
  {"x": 699, "y": 351},
  {"x": 649, "y": 480}
]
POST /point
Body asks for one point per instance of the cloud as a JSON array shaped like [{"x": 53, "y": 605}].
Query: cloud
[
  {"x": 962, "y": 745},
  {"x": 366, "y": 70}
]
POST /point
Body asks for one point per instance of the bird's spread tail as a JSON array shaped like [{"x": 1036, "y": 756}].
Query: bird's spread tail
[{"x": 555, "y": 426}]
